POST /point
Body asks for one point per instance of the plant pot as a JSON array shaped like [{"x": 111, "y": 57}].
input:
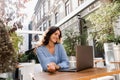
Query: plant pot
[
  {"x": 33, "y": 61},
  {"x": 116, "y": 49},
  {"x": 72, "y": 58},
  {"x": 109, "y": 53},
  {"x": 72, "y": 61},
  {"x": 6, "y": 76}
]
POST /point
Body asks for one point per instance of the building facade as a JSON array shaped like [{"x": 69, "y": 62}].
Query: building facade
[
  {"x": 65, "y": 14},
  {"x": 62, "y": 13}
]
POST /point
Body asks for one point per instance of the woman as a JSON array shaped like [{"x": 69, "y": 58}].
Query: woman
[{"x": 51, "y": 54}]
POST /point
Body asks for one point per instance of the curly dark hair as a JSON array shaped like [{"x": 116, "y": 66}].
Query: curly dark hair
[{"x": 50, "y": 31}]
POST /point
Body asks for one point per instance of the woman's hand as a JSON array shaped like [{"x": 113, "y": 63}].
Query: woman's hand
[{"x": 52, "y": 67}]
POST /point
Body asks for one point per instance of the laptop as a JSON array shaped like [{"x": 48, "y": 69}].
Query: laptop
[{"x": 84, "y": 59}]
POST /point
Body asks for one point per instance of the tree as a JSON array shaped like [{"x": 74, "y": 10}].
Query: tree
[
  {"x": 7, "y": 52},
  {"x": 102, "y": 21}
]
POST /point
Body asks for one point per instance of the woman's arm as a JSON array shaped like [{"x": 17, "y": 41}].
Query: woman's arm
[
  {"x": 64, "y": 63},
  {"x": 42, "y": 58}
]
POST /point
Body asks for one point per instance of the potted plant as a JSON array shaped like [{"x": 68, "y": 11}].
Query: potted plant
[
  {"x": 102, "y": 25},
  {"x": 102, "y": 21},
  {"x": 7, "y": 55},
  {"x": 71, "y": 39},
  {"x": 116, "y": 40},
  {"x": 8, "y": 48},
  {"x": 116, "y": 48}
]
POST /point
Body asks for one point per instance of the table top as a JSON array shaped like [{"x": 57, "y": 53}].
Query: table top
[
  {"x": 81, "y": 75},
  {"x": 97, "y": 60},
  {"x": 115, "y": 62}
]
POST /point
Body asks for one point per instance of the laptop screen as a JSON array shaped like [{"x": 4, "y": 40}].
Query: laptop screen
[{"x": 84, "y": 57}]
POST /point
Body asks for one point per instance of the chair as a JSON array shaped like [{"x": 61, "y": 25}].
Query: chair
[
  {"x": 26, "y": 70},
  {"x": 37, "y": 69},
  {"x": 105, "y": 78},
  {"x": 99, "y": 62}
]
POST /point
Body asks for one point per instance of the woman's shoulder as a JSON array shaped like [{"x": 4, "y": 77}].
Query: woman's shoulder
[{"x": 40, "y": 47}]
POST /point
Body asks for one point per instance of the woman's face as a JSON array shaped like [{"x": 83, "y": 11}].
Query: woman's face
[{"x": 55, "y": 36}]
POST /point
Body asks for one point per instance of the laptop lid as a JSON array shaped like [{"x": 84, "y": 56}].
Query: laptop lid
[{"x": 84, "y": 57}]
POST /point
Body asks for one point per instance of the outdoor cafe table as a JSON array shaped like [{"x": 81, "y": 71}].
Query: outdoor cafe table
[{"x": 81, "y": 75}]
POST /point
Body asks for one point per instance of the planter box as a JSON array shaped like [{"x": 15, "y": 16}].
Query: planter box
[
  {"x": 72, "y": 60},
  {"x": 112, "y": 54},
  {"x": 109, "y": 54},
  {"x": 116, "y": 49},
  {"x": 6, "y": 76}
]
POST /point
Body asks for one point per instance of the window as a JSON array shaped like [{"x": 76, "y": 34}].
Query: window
[
  {"x": 40, "y": 28},
  {"x": 56, "y": 17},
  {"x": 80, "y": 2},
  {"x": 43, "y": 8},
  {"x": 40, "y": 13},
  {"x": 49, "y": 5},
  {"x": 36, "y": 37},
  {"x": 49, "y": 23},
  {"x": 36, "y": 19},
  {"x": 44, "y": 26},
  {"x": 67, "y": 7}
]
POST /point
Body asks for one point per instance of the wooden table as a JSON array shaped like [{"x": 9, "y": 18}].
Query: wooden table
[
  {"x": 81, "y": 75},
  {"x": 116, "y": 63},
  {"x": 97, "y": 61}
]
